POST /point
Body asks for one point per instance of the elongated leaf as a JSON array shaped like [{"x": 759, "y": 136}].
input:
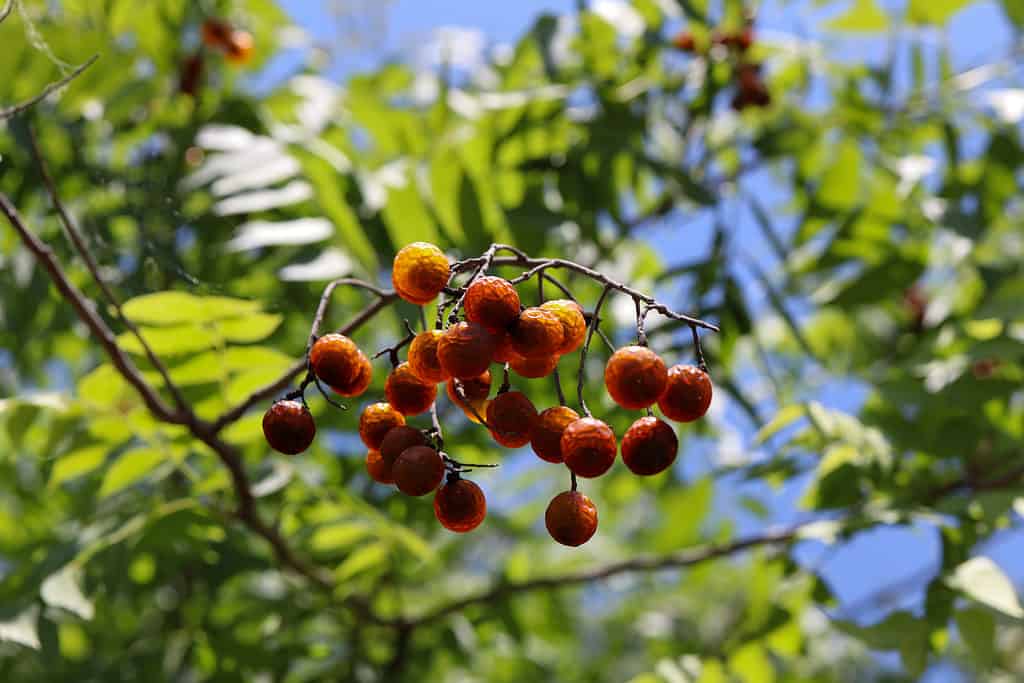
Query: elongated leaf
[{"x": 130, "y": 467}]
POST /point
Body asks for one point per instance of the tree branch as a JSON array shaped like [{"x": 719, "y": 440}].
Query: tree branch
[
  {"x": 16, "y": 109},
  {"x": 8, "y": 6}
]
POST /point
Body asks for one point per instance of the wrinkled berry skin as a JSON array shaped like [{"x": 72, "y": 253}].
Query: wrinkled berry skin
[
  {"x": 407, "y": 393},
  {"x": 649, "y": 446},
  {"x": 635, "y": 377},
  {"x": 419, "y": 272},
  {"x": 511, "y": 417},
  {"x": 460, "y": 505},
  {"x": 493, "y": 302},
  {"x": 340, "y": 364},
  {"x": 418, "y": 470},
  {"x": 537, "y": 333},
  {"x": 589, "y": 447},
  {"x": 288, "y": 427},
  {"x": 465, "y": 349},
  {"x": 571, "y": 518},
  {"x": 687, "y": 395},
  {"x": 546, "y": 438}
]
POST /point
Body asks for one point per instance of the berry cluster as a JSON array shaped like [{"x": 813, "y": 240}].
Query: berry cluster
[
  {"x": 235, "y": 44},
  {"x": 529, "y": 342}
]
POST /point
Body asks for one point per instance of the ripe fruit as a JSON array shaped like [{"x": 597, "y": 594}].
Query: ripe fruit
[
  {"x": 423, "y": 357},
  {"x": 493, "y": 302},
  {"x": 536, "y": 333},
  {"x": 418, "y": 470},
  {"x": 684, "y": 41},
  {"x": 240, "y": 47},
  {"x": 589, "y": 447},
  {"x": 288, "y": 427},
  {"x": 687, "y": 394},
  {"x": 465, "y": 350},
  {"x": 534, "y": 368},
  {"x": 511, "y": 417},
  {"x": 460, "y": 505},
  {"x": 215, "y": 33},
  {"x": 376, "y": 421},
  {"x": 378, "y": 468},
  {"x": 408, "y": 393},
  {"x": 337, "y": 361},
  {"x": 191, "y": 75},
  {"x": 635, "y": 377},
  {"x": 571, "y": 518},
  {"x": 649, "y": 446},
  {"x": 574, "y": 326},
  {"x": 474, "y": 389},
  {"x": 503, "y": 352},
  {"x": 546, "y": 437},
  {"x": 419, "y": 273},
  {"x": 397, "y": 440}
]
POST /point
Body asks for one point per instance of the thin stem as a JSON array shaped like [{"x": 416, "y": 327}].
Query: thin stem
[
  {"x": 573, "y": 485},
  {"x": 392, "y": 351},
  {"x": 586, "y": 347},
  {"x": 16, "y": 109},
  {"x": 697, "y": 350},
  {"x": 8, "y": 6},
  {"x": 484, "y": 264},
  {"x": 641, "y": 318},
  {"x": 460, "y": 391},
  {"x": 555, "y": 377},
  {"x": 325, "y": 298}
]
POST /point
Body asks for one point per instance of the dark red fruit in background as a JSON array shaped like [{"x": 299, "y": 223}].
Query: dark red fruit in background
[
  {"x": 418, "y": 470},
  {"x": 511, "y": 417},
  {"x": 288, "y": 427},
  {"x": 397, "y": 440}
]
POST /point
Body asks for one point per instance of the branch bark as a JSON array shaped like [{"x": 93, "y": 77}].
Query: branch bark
[{"x": 16, "y": 109}]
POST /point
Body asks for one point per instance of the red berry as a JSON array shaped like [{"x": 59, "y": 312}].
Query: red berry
[
  {"x": 337, "y": 361},
  {"x": 397, "y": 440},
  {"x": 589, "y": 447},
  {"x": 546, "y": 438},
  {"x": 409, "y": 394},
  {"x": 465, "y": 350},
  {"x": 376, "y": 421},
  {"x": 635, "y": 377},
  {"x": 378, "y": 468},
  {"x": 511, "y": 417},
  {"x": 460, "y": 505},
  {"x": 687, "y": 394},
  {"x": 493, "y": 302},
  {"x": 537, "y": 333},
  {"x": 419, "y": 273},
  {"x": 418, "y": 470},
  {"x": 571, "y": 518},
  {"x": 649, "y": 446},
  {"x": 288, "y": 427},
  {"x": 423, "y": 357},
  {"x": 534, "y": 368}
]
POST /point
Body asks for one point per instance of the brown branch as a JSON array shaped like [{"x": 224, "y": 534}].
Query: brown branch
[
  {"x": 6, "y": 10},
  {"x": 650, "y": 563},
  {"x": 594, "y": 321},
  {"x": 16, "y": 109}
]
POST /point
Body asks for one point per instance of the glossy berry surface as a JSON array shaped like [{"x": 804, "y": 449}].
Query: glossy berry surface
[
  {"x": 511, "y": 417},
  {"x": 376, "y": 421},
  {"x": 460, "y": 505},
  {"x": 397, "y": 440},
  {"x": 475, "y": 389},
  {"x": 574, "y": 325},
  {"x": 687, "y": 395},
  {"x": 418, "y": 470},
  {"x": 546, "y": 438},
  {"x": 503, "y": 351},
  {"x": 409, "y": 394},
  {"x": 536, "y": 333},
  {"x": 423, "y": 357},
  {"x": 465, "y": 350},
  {"x": 340, "y": 364},
  {"x": 571, "y": 518},
  {"x": 534, "y": 368},
  {"x": 635, "y": 377},
  {"x": 589, "y": 447},
  {"x": 419, "y": 272},
  {"x": 649, "y": 446},
  {"x": 289, "y": 427},
  {"x": 492, "y": 302},
  {"x": 378, "y": 468}
]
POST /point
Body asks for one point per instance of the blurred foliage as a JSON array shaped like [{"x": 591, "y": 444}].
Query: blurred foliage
[{"x": 893, "y": 244}]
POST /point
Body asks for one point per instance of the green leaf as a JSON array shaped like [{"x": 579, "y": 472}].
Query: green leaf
[
  {"x": 784, "y": 418},
  {"x": 406, "y": 215},
  {"x": 1015, "y": 11},
  {"x": 982, "y": 580},
  {"x": 978, "y": 629},
  {"x": 78, "y": 462},
  {"x": 684, "y": 511},
  {"x": 64, "y": 590},
  {"x": 863, "y": 16},
  {"x": 840, "y": 184},
  {"x": 170, "y": 341},
  {"x": 335, "y": 537},
  {"x": 935, "y": 12},
  {"x": 175, "y": 308},
  {"x": 130, "y": 467},
  {"x": 252, "y": 328},
  {"x": 363, "y": 559}
]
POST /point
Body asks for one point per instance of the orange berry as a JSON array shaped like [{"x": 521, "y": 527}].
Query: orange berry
[
  {"x": 397, "y": 440},
  {"x": 511, "y": 417},
  {"x": 475, "y": 389},
  {"x": 289, "y": 427},
  {"x": 687, "y": 394},
  {"x": 635, "y": 377},
  {"x": 574, "y": 326},
  {"x": 460, "y": 505},
  {"x": 378, "y": 468},
  {"x": 216, "y": 33},
  {"x": 423, "y": 357},
  {"x": 418, "y": 470},
  {"x": 546, "y": 437},
  {"x": 589, "y": 447},
  {"x": 684, "y": 41},
  {"x": 240, "y": 47},
  {"x": 465, "y": 350},
  {"x": 408, "y": 393},
  {"x": 649, "y": 446},
  {"x": 479, "y": 412},
  {"x": 419, "y": 273},
  {"x": 493, "y": 302},
  {"x": 337, "y": 361},
  {"x": 376, "y": 421},
  {"x": 571, "y": 518},
  {"x": 537, "y": 333},
  {"x": 503, "y": 351},
  {"x": 534, "y": 368}
]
